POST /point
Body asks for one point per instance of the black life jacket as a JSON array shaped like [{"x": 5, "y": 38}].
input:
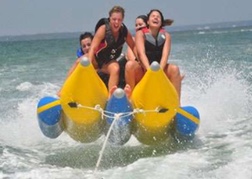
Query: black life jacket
[
  {"x": 110, "y": 49},
  {"x": 154, "y": 46}
]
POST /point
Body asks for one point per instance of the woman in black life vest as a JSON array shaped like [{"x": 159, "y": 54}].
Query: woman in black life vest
[
  {"x": 107, "y": 44},
  {"x": 153, "y": 43}
]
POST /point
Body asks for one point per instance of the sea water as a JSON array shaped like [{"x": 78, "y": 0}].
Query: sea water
[{"x": 217, "y": 66}]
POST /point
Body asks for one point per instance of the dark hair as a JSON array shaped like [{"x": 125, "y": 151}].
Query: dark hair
[
  {"x": 161, "y": 14},
  {"x": 165, "y": 22},
  {"x": 168, "y": 22},
  {"x": 143, "y": 17},
  {"x": 86, "y": 35}
]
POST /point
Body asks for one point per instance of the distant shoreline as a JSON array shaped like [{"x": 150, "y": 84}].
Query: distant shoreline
[
  {"x": 68, "y": 35},
  {"x": 220, "y": 25}
]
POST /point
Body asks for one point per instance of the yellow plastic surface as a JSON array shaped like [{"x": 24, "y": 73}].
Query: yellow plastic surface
[
  {"x": 86, "y": 88},
  {"x": 152, "y": 92}
]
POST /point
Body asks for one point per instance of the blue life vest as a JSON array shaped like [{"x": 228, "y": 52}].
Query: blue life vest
[{"x": 79, "y": 52}]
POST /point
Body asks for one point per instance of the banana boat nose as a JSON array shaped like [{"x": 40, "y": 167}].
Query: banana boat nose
[
  {"x": 155, "y": 66},
  {"x": 85, "y": 62}
]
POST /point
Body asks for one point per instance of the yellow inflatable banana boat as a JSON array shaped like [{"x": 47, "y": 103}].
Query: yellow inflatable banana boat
[
  {"x": 86, "y": 88},
  {"x": 85, "y": 113},
  {"x": 154, "y": 92}
]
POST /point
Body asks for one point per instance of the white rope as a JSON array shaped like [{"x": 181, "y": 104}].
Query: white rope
[
  {"x": 115, "y": 116},
  {"x": 125, "y": 114},
  {"x": 109, "y": 114}
]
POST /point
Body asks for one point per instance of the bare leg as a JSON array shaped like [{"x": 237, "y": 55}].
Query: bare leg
[
  {"x": 113, "y": 70},
  {"x": 133, "y": 73},
  {"x": 173, "y": 74}
]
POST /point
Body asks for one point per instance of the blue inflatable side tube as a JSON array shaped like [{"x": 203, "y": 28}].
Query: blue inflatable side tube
[
  {"x": 184, "y": 126},
  {"x": 119, "y": 105},
  {"x": 49, "y": 117}
]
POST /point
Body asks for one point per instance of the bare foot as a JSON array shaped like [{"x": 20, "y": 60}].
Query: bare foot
[
  {"x": 182, "y": 77},
  {"x": 59, "y": 93},
  {"x": 127, "y": 90},
  {"x": 112, "y": 90}
]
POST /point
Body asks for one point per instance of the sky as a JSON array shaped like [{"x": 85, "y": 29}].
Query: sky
[{"x": 23, "y": 17}]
